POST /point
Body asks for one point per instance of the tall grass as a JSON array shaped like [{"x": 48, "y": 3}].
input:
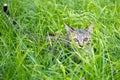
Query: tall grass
[{"x": 24, "y": 59}]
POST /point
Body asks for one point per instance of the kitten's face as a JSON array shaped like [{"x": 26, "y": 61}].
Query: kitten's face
[{"x": 79, "y": 36}]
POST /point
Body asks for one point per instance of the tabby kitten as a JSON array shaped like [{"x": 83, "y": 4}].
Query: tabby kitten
[{"x": 79, "y": 36}]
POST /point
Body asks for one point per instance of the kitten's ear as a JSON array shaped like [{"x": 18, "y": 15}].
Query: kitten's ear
[
  {"x": 90, "y": 27},
  {"x": 69, "y": 29}
]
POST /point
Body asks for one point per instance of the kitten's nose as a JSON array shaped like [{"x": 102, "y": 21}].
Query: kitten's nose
[{"x": 81, "y": 44}]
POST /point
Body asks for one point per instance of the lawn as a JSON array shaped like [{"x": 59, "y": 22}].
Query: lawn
[{"x": 22, "y": 57}]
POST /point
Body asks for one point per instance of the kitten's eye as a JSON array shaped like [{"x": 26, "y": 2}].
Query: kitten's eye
[
  {"x": 85, "y": 39},
  {"x": 75, "y": 39}
]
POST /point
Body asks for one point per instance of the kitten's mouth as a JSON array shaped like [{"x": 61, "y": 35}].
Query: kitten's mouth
[{"x": 81, "y": 46}]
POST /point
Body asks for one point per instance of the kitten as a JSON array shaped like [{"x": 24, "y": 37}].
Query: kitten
[{"x": 79, "y": 36}]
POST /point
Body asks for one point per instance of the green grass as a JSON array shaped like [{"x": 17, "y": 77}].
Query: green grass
[{"x": 25, "y": 59}]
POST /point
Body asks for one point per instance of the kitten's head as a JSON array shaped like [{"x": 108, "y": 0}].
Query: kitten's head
[{"x": 79, "y": 36}]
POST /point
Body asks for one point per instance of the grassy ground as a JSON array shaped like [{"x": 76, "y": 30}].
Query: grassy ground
[{"x": 25, "y": 59}]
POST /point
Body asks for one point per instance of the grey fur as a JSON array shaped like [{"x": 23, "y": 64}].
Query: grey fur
[{"x": 79, "y": 36}]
